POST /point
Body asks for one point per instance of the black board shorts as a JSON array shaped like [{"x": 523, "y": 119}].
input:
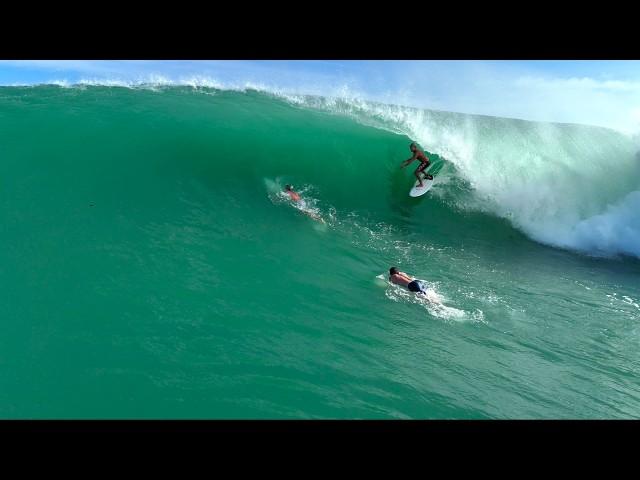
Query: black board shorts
[{"x": 416, "y": 287}]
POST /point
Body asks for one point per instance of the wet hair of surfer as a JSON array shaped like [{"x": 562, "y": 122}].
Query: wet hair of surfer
[{"x": 393, "y": 270}]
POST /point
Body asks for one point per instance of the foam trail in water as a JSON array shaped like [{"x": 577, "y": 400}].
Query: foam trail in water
[{"x": 432, "y": 301}]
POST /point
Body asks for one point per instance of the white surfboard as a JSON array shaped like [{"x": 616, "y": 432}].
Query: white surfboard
[{"x": 416, "y": 191}]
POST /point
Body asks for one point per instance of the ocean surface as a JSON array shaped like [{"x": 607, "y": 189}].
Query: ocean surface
[{"x": 151, "y": 267}]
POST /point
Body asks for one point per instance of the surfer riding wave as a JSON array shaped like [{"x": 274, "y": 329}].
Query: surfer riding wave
[{"x": 424, "y": 163}]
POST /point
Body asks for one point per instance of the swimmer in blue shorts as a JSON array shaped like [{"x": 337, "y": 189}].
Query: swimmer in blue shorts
[{"x": 401, "y": 278}]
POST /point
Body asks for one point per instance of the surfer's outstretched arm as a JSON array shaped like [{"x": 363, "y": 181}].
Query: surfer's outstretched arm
[{"x": 407, "y": 162}]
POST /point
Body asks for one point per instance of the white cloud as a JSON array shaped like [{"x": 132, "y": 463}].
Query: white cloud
[
  {"x": 584, "y": 83},
  {"x": 608, "y": 103}
]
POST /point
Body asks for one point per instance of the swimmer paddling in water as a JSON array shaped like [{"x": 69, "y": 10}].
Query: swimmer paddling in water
[
  {"x": 295, "y": 197},
  {"x": 292, "y": 194},
  {"x": 404, "y": 280}
]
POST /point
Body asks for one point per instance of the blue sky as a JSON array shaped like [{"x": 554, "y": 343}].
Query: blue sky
[{"x": 605, "y": 93}]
